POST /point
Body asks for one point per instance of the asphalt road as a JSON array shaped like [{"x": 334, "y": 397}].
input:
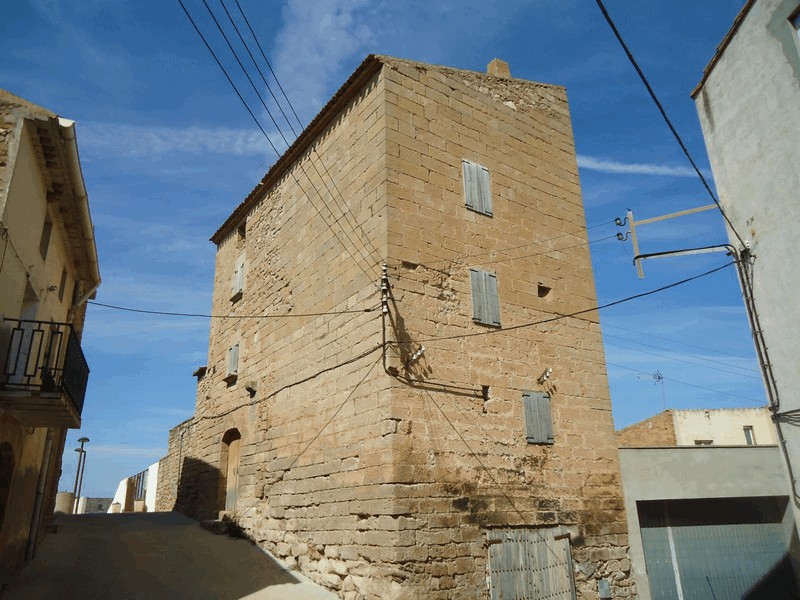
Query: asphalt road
[{"x": 150, "y": 556}]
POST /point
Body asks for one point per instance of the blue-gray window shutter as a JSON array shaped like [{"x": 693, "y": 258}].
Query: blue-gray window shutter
[
  {"x": 233, "y": 360},
  {"x": 485, "y": 298},
  {"x": 492, "y": 298},
  {"x": 477, "y": 192},
  {"x": 538, "y": 417},
  {"x": 479, "y": 309}
]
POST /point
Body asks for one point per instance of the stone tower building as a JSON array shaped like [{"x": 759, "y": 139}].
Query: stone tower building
[{"x": 471, "y": 442}]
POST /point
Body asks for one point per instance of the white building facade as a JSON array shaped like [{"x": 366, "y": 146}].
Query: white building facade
[{"x": 749, "y": 106}]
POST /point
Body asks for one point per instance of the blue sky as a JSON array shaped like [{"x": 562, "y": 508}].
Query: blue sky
[{"x": 168, "y": 151}]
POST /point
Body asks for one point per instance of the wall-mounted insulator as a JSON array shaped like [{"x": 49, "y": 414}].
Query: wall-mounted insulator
[{"x": 417, "y": 355}]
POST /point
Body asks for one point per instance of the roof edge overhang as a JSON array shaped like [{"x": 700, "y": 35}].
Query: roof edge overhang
[
  {"x": 737, "y": 22},
  {"x": 66, "y": 129},
  {"x": 365, "y": 71}
]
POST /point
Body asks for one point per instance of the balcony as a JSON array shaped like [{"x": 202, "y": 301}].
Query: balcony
[{"x": 44, "y": 373}]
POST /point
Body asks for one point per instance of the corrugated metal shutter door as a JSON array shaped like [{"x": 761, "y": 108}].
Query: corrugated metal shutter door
[
  {"x": 529, "y": 564},
  {"x": 737, "y": 551}
]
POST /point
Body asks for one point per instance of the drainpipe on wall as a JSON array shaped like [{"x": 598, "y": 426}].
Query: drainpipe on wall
[{"x": 37, "y": 508}]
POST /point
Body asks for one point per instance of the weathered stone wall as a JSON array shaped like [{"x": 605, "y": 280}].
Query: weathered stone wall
[
  {"x": 369, "y": 485},
  {"x": 169, "y": 467},
  {"x": 462, "y": 463},
  {"x": 654, "y": 432}
]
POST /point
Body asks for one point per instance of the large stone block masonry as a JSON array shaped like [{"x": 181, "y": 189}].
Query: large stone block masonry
[{"x": 384, "y": 482}]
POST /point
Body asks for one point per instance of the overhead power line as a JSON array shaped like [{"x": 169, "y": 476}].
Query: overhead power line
[
  {"x": 269, "y": 141},
  {"x": 283, "y": 388},
  {"x": 682, "y": 343},
  {"x": 300, "y": 124},
  {"x": 686, "y": 383},
  {"x": 266, "y": 60},
  {"x": 212, "y": 316},
  {"x": 351, "y": 222},
  {"x": 683, "y": 360},
  {"x": 573, "y": 314},
  {"x": 519, "y": 246},
  {"x": 288, "y": 144},
  {"x": 666, "y": 118}
]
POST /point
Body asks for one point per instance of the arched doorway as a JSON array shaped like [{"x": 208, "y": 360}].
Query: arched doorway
[
  {"x": 229, "y": 468},
  {"x": 6, "y": 477}
]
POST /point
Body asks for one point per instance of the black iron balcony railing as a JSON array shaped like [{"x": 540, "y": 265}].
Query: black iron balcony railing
[{"x": 41, "y": 356}]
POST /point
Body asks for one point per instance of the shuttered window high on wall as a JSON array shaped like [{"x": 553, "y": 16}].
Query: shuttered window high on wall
[
  {"x": 237, "y": 283},
  {"x": 538, "y": 418},
  {"x": 477, "y": 192},
  {"x": 233, "y": 360},
  {"x": 485, "y": 299}
]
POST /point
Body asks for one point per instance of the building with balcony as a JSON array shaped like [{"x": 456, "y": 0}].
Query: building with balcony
[
  {"x": 48, "y": 270},
  {"x": 457, "y": 442}
]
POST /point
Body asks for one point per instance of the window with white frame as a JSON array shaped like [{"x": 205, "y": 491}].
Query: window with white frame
[
  {"x": 477, "y": 192},
  {"x": 485, "y": 299}
]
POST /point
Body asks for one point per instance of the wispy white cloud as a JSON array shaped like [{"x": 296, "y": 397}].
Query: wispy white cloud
[
  {"x": 142, "y": 141},
  {"x": 313, "y": 29},
  {"x": 165, "y": 242},
  {"x": 612, "y": 166},
  {"x": 322, "y": 39}
]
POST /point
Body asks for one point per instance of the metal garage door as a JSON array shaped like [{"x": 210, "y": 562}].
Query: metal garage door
[
  {"x": 530, "y": 564},
  {"x": 717, "y": 549}
]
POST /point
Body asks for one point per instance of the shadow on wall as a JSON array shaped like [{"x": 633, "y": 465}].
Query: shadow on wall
[
  {"x": 775, "y": 584},
  {"x": 199, "y": 486}
]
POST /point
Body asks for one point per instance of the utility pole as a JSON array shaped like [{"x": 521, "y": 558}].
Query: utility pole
[
  {"x": 742, "y": 259},
  {"x": 76, "y": 490}
]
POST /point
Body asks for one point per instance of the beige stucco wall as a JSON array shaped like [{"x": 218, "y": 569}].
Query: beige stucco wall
[
  {"x": 368, "y": 485},
  {"x": 748, "y": 109},
  {"x": 29, "y": 446},
  {"x": 23, "y": 206},
  {"x": 723, "y": 427},
  {"x": 23, "y": 215}
]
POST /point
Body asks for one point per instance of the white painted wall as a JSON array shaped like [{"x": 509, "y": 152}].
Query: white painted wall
[
  {"x": 749, "y": 109},
  {"x": 120, "y": 495},
  {"x": 150, "y": 493},
  {"x": 152, "y": 486},
  {"x": 724, "y": 427}
]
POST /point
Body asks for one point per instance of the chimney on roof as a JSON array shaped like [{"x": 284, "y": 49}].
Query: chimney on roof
[{"x": 498, "y": 68}]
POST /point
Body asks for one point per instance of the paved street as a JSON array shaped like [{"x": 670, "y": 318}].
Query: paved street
[{"x": 152, "y": 556}]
